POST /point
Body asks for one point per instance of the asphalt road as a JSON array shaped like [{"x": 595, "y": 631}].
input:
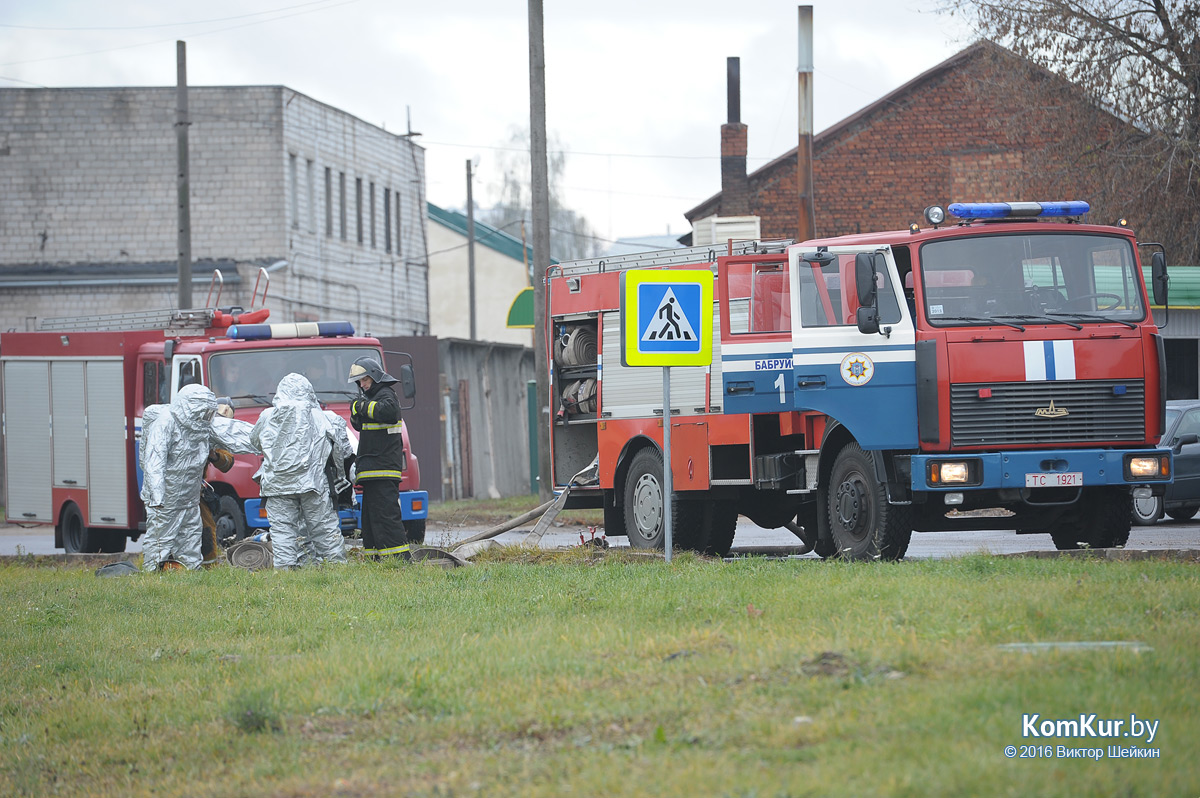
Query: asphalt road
[{"x": 1164, "y": 535}]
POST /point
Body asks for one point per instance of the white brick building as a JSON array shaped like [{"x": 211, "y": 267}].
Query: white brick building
[{"x": 88, "y": 220}]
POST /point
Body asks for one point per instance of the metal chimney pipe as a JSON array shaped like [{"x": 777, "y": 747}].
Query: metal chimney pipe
[
  {"x": 804, "y": 176},
  {"x": 733, "y": 83}
]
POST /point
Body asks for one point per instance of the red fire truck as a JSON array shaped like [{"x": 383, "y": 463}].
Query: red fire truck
[
  {"x": 75, "y": 390},
  {"x": 1000, "y": 371}
]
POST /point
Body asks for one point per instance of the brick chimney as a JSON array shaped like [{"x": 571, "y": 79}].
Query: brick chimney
[{"x": 735, "y": 186}]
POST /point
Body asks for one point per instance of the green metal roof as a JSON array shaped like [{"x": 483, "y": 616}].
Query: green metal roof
[{"x": 485, "y": 234}]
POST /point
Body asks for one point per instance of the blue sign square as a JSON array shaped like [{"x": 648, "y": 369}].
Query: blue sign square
[{"x": 669, "y": 317}]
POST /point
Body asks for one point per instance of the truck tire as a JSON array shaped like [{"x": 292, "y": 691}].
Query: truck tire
[
  {"x": 112, "y": 541},
  {"x": 76, "y": 537},
  {"x": 231, "y": 521},
  {"x": 414, "y": 530},
  {"x": 864, "y": 526},
  {"x": 1104, "y": 521},
  {"x": 719, "y": 526},
  {"x": 644, "y": 503},
  {"x": 614, "y": 516}
]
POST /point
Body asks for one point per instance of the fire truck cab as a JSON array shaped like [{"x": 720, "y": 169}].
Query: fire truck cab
[{"x": 999, "y": 372}]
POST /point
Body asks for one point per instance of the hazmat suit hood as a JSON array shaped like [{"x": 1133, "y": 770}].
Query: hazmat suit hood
[
  {"x": 295, "y": 439},
  {"x": 193, "y": 409}
]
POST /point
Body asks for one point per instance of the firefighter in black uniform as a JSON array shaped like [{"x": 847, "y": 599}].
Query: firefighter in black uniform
[{"x": 380, "y": 461}]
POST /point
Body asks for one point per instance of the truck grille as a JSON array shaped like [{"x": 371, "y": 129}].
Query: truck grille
[{"x": 1009, "y": 416}]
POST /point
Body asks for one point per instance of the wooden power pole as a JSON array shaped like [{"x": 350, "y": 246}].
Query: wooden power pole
[{"x": 540, "y": 188}]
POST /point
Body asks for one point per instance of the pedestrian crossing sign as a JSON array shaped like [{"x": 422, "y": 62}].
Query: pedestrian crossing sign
[{"x": 666, "y": 317}]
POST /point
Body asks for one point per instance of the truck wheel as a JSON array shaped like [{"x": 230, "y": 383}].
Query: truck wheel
[
  {"x": 231, "y": 522},
  {"x": 719, "y": 525},
  {"x": 644, "y": 500},
  {"x": 864, "y": 525},
  {"x": 1146, "y": 512},
  {"x": 1184, "y": 513},
  {"x": 76, "y": 537},
  {"x": 614, "y": 516},
  {"x": 414, "y": 530},
  {"x": 1103, "y": 521},
  {"x": 112, "y": 541}
]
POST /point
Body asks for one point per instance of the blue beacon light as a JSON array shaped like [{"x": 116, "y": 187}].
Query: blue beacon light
[{"x": 1005, "y": 210}]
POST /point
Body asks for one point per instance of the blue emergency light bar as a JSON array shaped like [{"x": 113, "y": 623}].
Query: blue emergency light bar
[
  {"x": 302, "y": 329},
  {"x": 1010, "y": 210}
]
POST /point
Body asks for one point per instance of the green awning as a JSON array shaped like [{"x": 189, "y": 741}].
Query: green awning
[{"x": 520, "y": 312}]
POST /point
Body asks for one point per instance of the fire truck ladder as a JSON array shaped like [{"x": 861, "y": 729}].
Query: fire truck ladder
[
  {"x": 669, "y": 257},
  {"x": 194, "y": 320}
]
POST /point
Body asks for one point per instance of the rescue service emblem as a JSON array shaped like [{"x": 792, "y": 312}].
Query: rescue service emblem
[{"x": 857, "y": 369}]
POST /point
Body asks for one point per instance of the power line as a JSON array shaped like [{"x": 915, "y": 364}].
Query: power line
[
  {"x": 584, "y": 152},
  {"x": 166, "y": 24},
  {"x": 162, "y": 41}
]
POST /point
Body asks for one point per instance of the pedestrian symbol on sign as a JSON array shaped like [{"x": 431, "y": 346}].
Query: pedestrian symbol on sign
[
  {"x": 675, "y": 325},
  {"x": 666, "y": 317}
]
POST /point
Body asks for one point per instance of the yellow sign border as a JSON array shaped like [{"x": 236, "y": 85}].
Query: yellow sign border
[{"x": 631, "y": 355}]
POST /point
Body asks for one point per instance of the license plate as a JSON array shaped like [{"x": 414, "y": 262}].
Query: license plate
[{"x": 1057, "y": 479}]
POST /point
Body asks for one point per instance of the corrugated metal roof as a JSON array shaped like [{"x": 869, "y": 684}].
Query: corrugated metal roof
[
  {"x": 1184, "y": 289},
  {"x": 485, "y": 234}
]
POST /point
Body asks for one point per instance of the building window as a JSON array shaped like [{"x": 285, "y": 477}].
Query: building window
[
  {"x": 358, "y": 209},
  {"x": 342, "y": 197},
  {"x": 387, "y": 220},
  {"x": 371, "y": 212},
  {"x": 294, "y": 176},
  {"x": 398, "y": 238},
  {"x": 328, "y": 202},
  {"x": 311, "y": 210}
]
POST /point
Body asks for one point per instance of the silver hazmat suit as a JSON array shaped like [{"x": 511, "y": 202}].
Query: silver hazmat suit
[
  {"x": 176, "y": 439},
  {"x": 295, "y": 439}
]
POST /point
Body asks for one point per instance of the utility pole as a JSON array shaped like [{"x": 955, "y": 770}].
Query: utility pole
[
  {"x": 540, "y": 188},
  {"x": 184, "y": 177},
  {"x": 471, "y": 248},
  {"x": 804, "y": 175}
]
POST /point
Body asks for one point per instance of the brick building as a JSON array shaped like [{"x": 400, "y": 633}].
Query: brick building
[
  {"x": 331, "y": 205},
  {"x": 983, "y": 125},
  {"x": 959, "y": 132}
]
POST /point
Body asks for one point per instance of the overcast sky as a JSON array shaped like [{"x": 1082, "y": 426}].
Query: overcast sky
[{"x": 635, "y": 88}]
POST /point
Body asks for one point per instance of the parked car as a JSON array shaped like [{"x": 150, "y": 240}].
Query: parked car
[{"x": 1182, "y": 498}]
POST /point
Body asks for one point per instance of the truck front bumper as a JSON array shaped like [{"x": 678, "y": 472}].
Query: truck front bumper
[{"x": 1055, "y": 468}]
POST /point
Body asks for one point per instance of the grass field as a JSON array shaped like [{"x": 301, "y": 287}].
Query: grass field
[{"x": 577, "y": 674}]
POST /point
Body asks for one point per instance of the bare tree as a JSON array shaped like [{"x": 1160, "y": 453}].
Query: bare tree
[
  {"x": 1138, "y": 62},
  {"x": 571, "y": 237}
]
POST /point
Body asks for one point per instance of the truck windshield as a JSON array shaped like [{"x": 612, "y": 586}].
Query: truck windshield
[
  {"x": 251, "y": 377},
  {"x": 1042, "y": 278}
]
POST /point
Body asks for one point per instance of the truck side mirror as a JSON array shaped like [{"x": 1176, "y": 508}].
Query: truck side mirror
[
  {"x": 864, "y": 278},
  {"x": 867, "y": 319},
  {"x": 408, "y": 381},
  {"x": 1184, "y": 440},
  {"x": 1159, "y": 279}
]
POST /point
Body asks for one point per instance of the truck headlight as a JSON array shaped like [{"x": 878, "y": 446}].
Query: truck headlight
[
  {"x": 1147, "y": 467},
  {"x": 953, "y": 472}
]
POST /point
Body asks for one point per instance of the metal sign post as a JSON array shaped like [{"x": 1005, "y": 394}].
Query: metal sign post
[
  {"x": 667, "y": 539},
  {"x": 666, "y": 320}
]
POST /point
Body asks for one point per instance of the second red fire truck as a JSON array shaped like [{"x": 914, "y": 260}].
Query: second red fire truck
[
  {"x": 74, "y": 393},
  {"x": 1000, "y": 370}
]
